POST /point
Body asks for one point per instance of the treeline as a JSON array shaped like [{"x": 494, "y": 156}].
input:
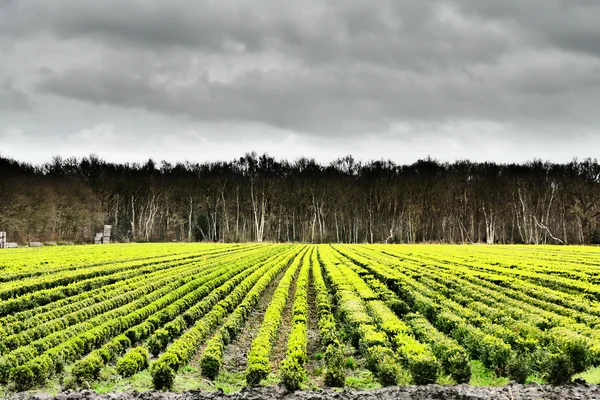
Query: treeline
[{"x": 258, "y": 198}]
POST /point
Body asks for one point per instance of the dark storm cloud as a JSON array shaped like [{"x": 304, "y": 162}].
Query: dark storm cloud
[
  {"x": 334, "y": 67},
  {"x": 341, "y": 101}
]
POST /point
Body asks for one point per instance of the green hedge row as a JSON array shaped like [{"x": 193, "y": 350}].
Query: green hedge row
[
  {"x": 53, "y": 360},
  {"x": 415, "y": 356},
  {"x": 493, "y": 352},
  {"x": 83, "y": 277},
  {"x": 221, "y": 276},
  {"x": 203, "y": 286},
  {"x": 212, "y": 357},
  {"x": 500, "y": 346},
  {"x": 260, "y": 350},
  {"x": 373, "y": 343},
  {"x": 28, "y": 319},
  {"x": 76, "y": 340},
  {"x": 327, "y": 327},
  {"x": 453, "y": 357},
  {"x": 184, "y": 274},
  {"x": 183, "y": 349},
  {"x": 292, "y": 369},
  {"x": 160, "y": 339},
  {"x": 134, "y": 361},
  {"x": 84, "y": 315},
  {"x": 335, "y": 371},
  {"x": 45, "y": 296}
]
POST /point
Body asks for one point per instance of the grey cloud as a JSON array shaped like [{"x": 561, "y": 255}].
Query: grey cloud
[
  {"x": 568, "y": 24},
  {"x": 349, "y": 100},
  {"x": 13, "y": 98},
  {"x": 338, "y": 67}
]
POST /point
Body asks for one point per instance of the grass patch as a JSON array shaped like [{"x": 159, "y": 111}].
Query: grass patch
[
  {"x": 271, "y": 380},
  {"x": 362, "y": 379},
  {"x": 110, "y": 381},
  {"x": 481, "y": 376},
  {"x": 592, "y": 375},
  {"x": 536, "y": 379},
  {"x": 230, "y": 382},
  {"x": 445, "y": 380}
]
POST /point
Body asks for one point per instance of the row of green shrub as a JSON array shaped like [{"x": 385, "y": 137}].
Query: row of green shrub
[
  {"x": 86, "y": 314},
  {"x": 212, "y": 356},
  {"x": 183, "y": 349},
  {"x": 416, "y": 357},
  {"x": 29, "y": 319},
  {"x": 78, "y": 339},
  {"x": 453, "y": 358},
  {"x": 364, "y": 333},
  {"x": 517, "y": 351},
  {"x": 260, "y": 350},
  {"x": 292, "y": 368},
  {"x": 184, "y": 274},
  {"x": 53, "y": 360},
  {"x": 81, "y": 277},
  {"x": 229, "y": 273},
  {"x": 531, "y": 322},
  {"x": 204, "y": 285},
  {"x": 160, "y": 339},
  {"x": 335, "y": 374},
  {"x": 42, "y": 297},
  {"x": 136, "y": 360}
]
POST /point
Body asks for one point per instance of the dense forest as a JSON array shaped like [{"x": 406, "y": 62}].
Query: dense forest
[{"x": 258, "y": 198}]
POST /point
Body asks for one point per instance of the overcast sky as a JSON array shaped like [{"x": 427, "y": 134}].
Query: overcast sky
[{"x": 508, "y": 80}]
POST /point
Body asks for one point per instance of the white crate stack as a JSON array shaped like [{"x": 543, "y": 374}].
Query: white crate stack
[
  {"x": 104, "y": 236},
  {"x": 3, "y": 244}
]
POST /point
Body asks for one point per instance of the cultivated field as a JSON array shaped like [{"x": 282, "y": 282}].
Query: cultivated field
[{"x": 207, "y": 316}]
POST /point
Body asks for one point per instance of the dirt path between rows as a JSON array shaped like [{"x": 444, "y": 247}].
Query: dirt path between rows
[
  {"x": 235, "y": 358},
  {"x": 314, "y": 342},
  {"x": 430, "y": 392},
  {"x": 280, "y": 347}
]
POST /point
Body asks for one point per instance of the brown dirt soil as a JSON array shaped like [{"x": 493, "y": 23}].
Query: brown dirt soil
[
  {"x": 576, "y": 391},
  {"x": 313, "y": 322},
  {"x": 314, "y": 345},
  {"x": 235, "y": 358}
]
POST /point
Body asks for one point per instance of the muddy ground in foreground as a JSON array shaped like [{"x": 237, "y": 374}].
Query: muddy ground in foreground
[{"x": 579, "y": 391}]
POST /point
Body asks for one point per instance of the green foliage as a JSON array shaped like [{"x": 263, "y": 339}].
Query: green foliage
[
  {"x": 350, "y": 363},
  {"x": 560, "y": 369},
  {"x": 163, "y": 375},
  {"x": 158, "y": 341},
  {"x": 260, "y": 350},
  {"x": 210, "y": 361},
  {"x": 292, "y": 370},
  {"x": 335, "y": 374},
  {"x": 23, "y": 377},
  {"x": 134, "y": 361},
  {"x": 519, "y": 367},
  {"x": 258, "y": 369},
  {"x": 88, "y": 369},
  {"x": 389, "y": 371},
  {"x": 428, "y": 313}
]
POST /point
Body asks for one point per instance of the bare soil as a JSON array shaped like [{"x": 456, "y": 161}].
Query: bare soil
[
  {"x": 280, "y": 347},
  {"x": 314, "y": 343},
  {"x": 576, "y": 391},
  {"x": 235, "y": 358}
]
